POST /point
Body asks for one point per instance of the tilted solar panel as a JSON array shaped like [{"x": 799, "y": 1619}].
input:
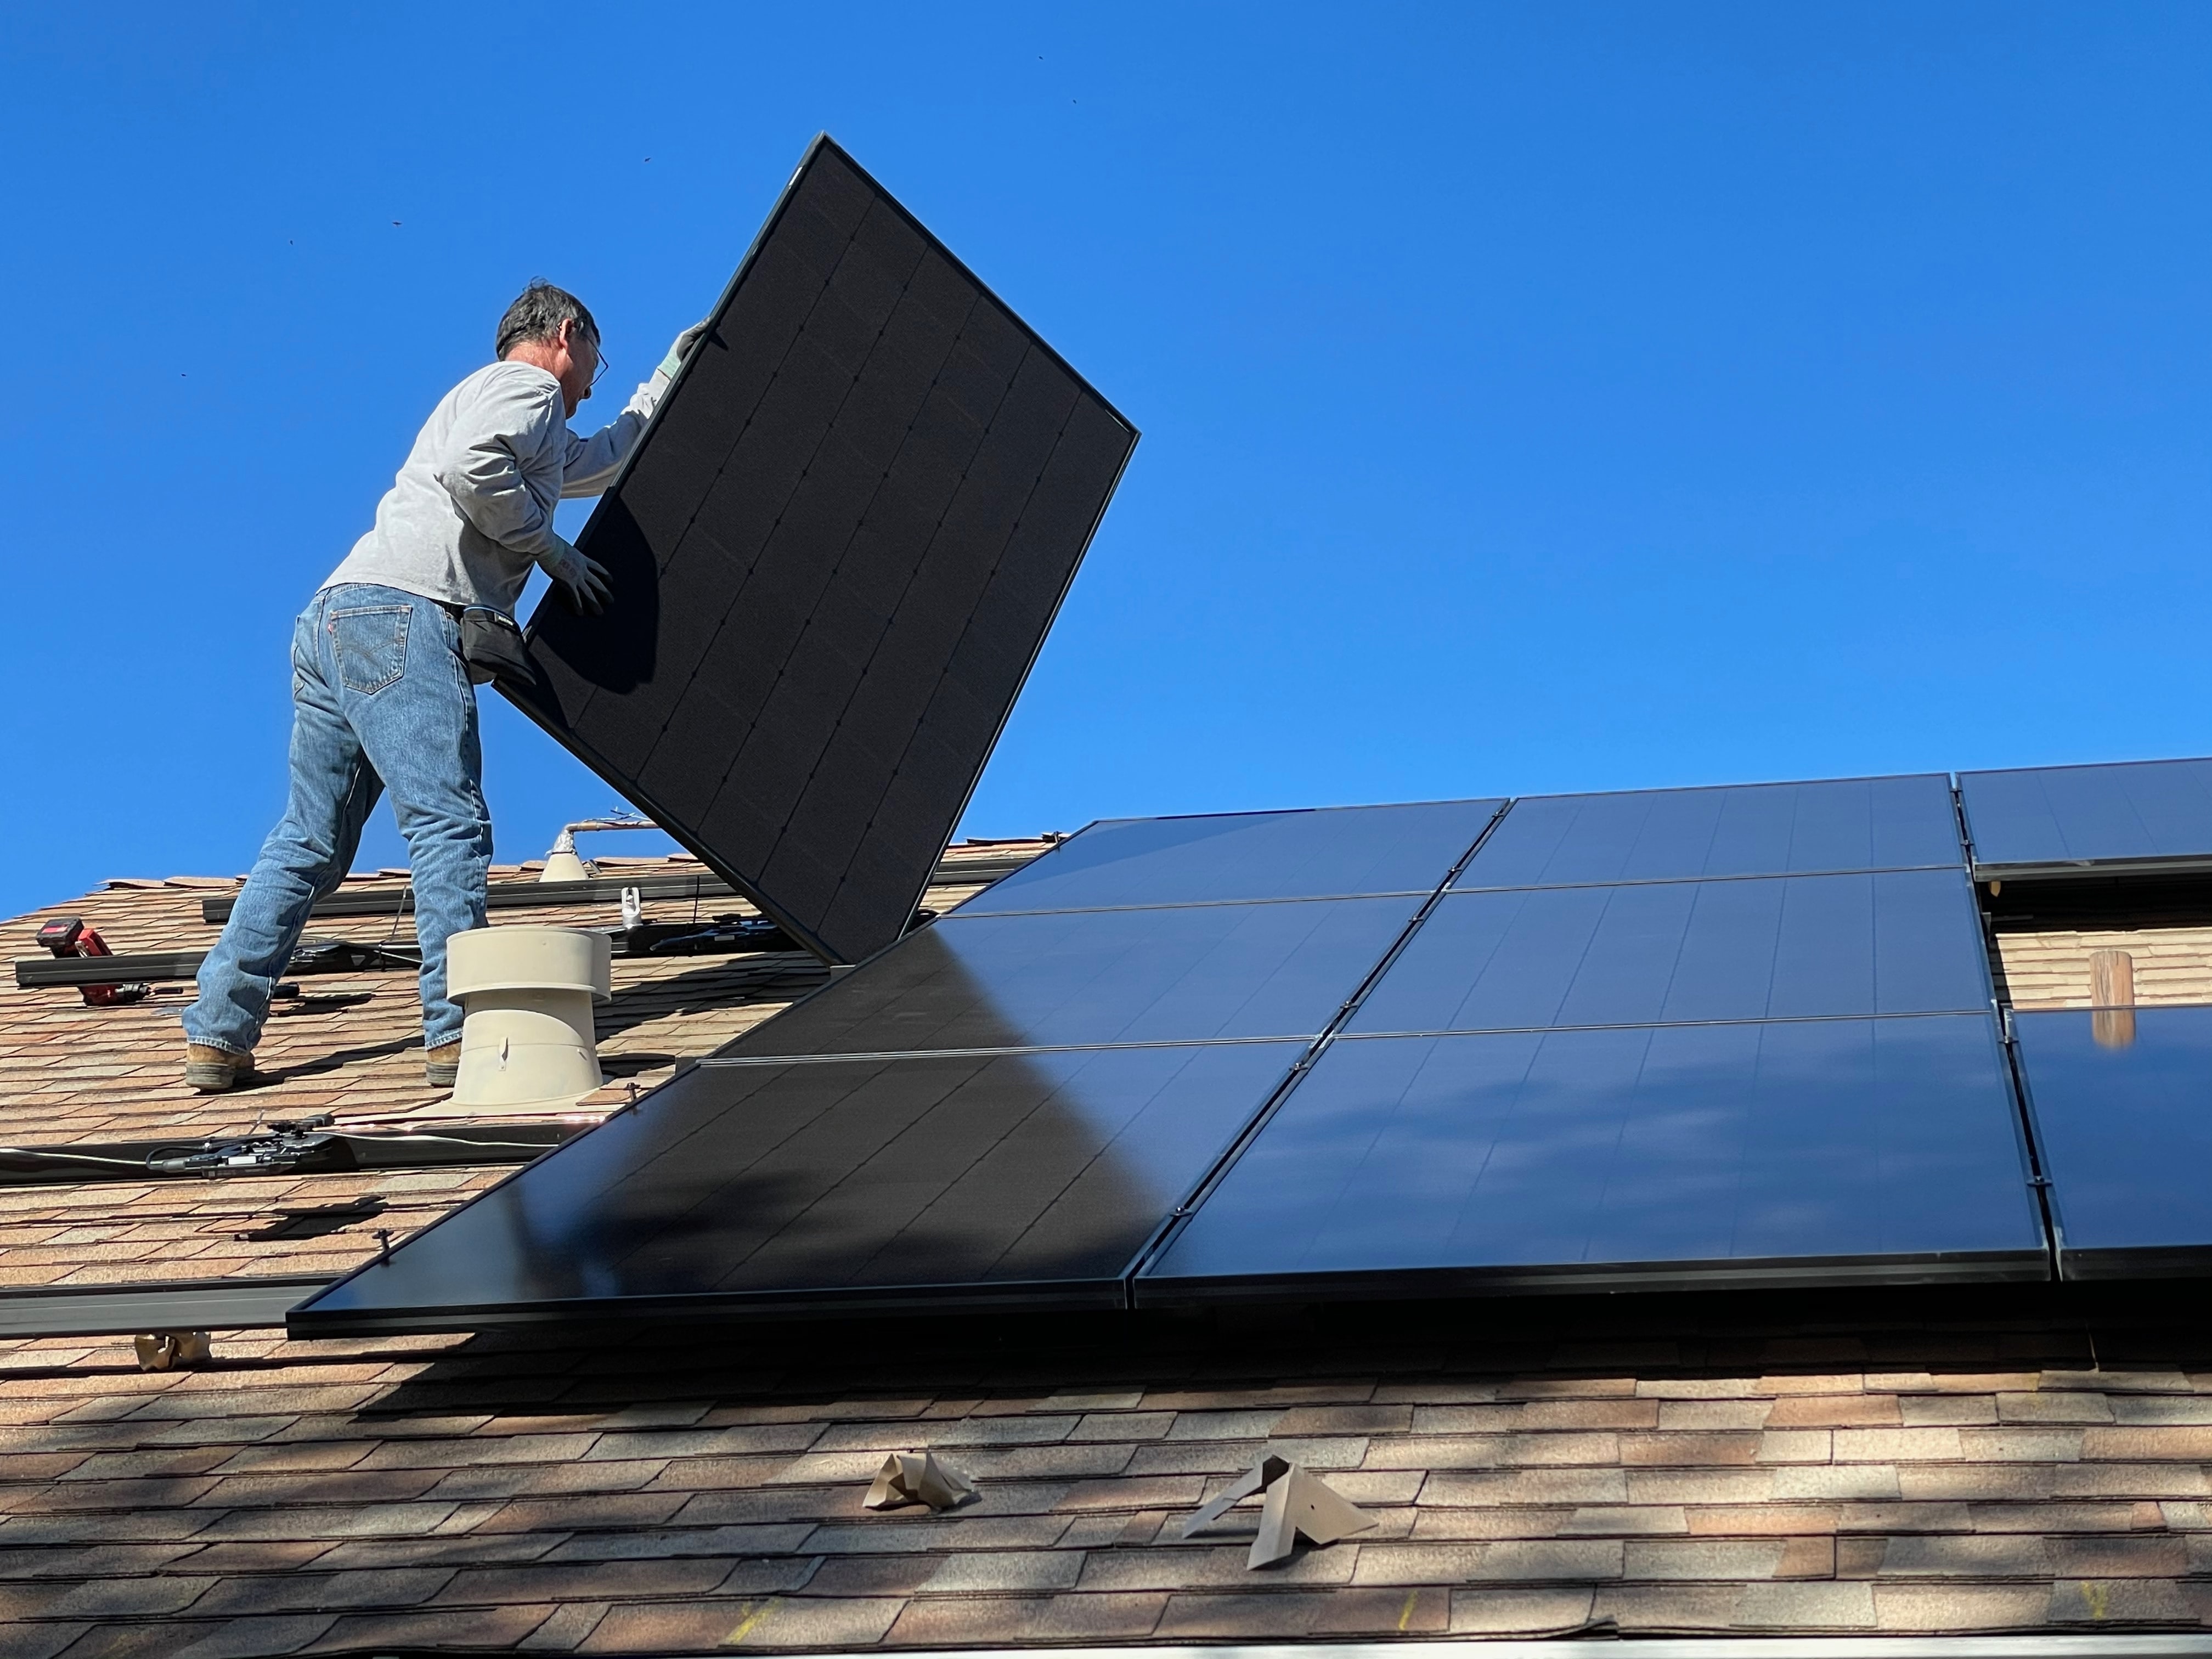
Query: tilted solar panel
[
  {"x": 2123, "y": 1105},
  {"x": 2057, "y": 820},
  {"x": 835, "y": 556}
]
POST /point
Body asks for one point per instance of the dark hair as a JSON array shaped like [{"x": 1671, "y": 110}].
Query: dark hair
[{"x": 538, "y": 314}]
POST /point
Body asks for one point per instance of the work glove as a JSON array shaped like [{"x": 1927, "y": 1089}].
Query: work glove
[
  {"x": 648, "y": 396},
  {"x": 581, "y": 580},
  {"x": 682, "y": 349}
]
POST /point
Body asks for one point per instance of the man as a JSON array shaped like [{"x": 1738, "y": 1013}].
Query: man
[{"x": 381, "y": 698}]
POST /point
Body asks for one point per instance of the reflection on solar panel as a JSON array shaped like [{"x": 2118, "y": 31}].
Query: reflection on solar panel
[
  {"x": 835, "y": 556},
  {"x": 1684, "y": 1039},
  {"x": 2154, "y": 815},
  {"x": 1183, "y": 974},
  {"x": 2124, "y": 1114},
  {"x": 1827, "y": 1151},
  {"x": 1755, "y": 830},
  {"x": 1330, "y": 853},
  {"x": 968, "y": 1179},
  {"x": 1903, "y": 942},
  {"x": 1003, "y": 1108},
  {"x": 1692, "y": 1068}
]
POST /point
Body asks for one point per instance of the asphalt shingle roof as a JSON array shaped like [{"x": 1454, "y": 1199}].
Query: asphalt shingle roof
[{"x": 2027, "y": 1458}]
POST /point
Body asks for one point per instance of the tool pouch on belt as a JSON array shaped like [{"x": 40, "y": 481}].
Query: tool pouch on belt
[{"x": 492, "y": 646}]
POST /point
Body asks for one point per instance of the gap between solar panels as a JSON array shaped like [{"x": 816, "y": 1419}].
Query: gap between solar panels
[{"x": 834, "y": 555}]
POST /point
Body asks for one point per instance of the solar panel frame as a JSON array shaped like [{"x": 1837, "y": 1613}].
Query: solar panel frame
[
  {"x": 2030, "y": 821},
  {"x": 829, "y": 774}
]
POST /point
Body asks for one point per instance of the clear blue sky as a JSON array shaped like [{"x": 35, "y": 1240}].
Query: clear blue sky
[{"x": 1537, "y": 397}]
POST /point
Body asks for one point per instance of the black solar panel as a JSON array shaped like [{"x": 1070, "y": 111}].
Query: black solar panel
[
  {"x": 1901, "y": 941},
  {"x": 1752, "y": 830},
  {"x": 1825, "y": 1152},
  {"x": 2123, "y": 1104},
  {"x": 1330, "y": 853},
  {"x": 1030, "y": 1179},
  {"x": 2151, "y": 815},
  {"x": 941, "y": 1124},
  {"x": 835, "y": 556}
]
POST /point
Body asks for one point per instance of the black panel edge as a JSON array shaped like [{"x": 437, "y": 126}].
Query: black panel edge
[
  {"x": 2142, "y": 1261},
  {"x": 2183, "y": 864},
  {"x": 1769, "y": 783},
  {"x": 2083, "y": 766},
  {"x": 1044, "y": 634},
  {"x": 1055, "y": 1295},
  {"x": 1997, "y": 1267}
]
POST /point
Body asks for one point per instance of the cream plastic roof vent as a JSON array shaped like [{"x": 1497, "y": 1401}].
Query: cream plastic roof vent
[{"x": 527, "y": 1043}]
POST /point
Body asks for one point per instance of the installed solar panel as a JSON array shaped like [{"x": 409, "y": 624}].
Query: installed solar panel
[
  {"x": 1902, "y": 942},
  {"x": 1826, "y": 1152},
  {"x": 1168, "y": 975},
  {"x": 2123, "y": 1105},
  {"x": 835, "y": 556},
  {"x": 1332, "y": 852},
  {"x": 2058, "y": 819},
  {"x": 1755, "y": 830},
  {"x": 1027, "y": 1179}
]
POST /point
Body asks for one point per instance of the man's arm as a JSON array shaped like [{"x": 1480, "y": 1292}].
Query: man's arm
[
  {"x": 511, "y": 431},
  {"x": 592, "y": 463}
]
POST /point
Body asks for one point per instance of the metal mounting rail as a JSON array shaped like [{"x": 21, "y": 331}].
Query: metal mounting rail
[
  {"x": 197, "y": 1304},
  {"x": 607, "y": 890}
]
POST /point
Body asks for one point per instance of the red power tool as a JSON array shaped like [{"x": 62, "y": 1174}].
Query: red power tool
[{"x": 70, "y": 937}]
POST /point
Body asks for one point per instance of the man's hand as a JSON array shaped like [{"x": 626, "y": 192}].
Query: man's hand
[
  {"x": 682, "y": 349},
  {"x": 581, "y": 579}
]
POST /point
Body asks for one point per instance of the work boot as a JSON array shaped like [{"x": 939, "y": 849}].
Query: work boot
[
  {"x": 442, "y": 1067},
  {"x": 213, "y": 1070}
]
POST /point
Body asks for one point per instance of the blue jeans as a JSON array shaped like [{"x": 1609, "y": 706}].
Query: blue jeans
[{"x": 380, "y": 700}]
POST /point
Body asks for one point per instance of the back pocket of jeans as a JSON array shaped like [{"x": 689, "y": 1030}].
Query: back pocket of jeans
[{"x": 372, "y": 645}]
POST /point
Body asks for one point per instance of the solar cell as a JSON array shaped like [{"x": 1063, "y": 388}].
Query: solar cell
[
  {"x": 1751, "y": 830},
  {"x": 1183, "y": 974},
  {"x": 835, "y": 556},
  {"x": 2056, "y": 820},
  {"x": 1823, "y": 1152},
  {"x": 2123, "y": 1107},
  {"x": 1328, "y": 853},
  {"x": 1027, "y": 1181},
  {"x": 1900, "y": 942}
]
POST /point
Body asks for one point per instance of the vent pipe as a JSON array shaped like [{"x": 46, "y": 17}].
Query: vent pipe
[{"x": 527, "y": 1043}]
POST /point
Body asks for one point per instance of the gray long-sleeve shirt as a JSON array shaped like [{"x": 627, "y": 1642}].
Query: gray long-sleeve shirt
[{"x": 472, "y": 509}]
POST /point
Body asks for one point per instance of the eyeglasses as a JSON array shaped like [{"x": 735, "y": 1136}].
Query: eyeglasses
[{"x": 602, "y": 366}]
